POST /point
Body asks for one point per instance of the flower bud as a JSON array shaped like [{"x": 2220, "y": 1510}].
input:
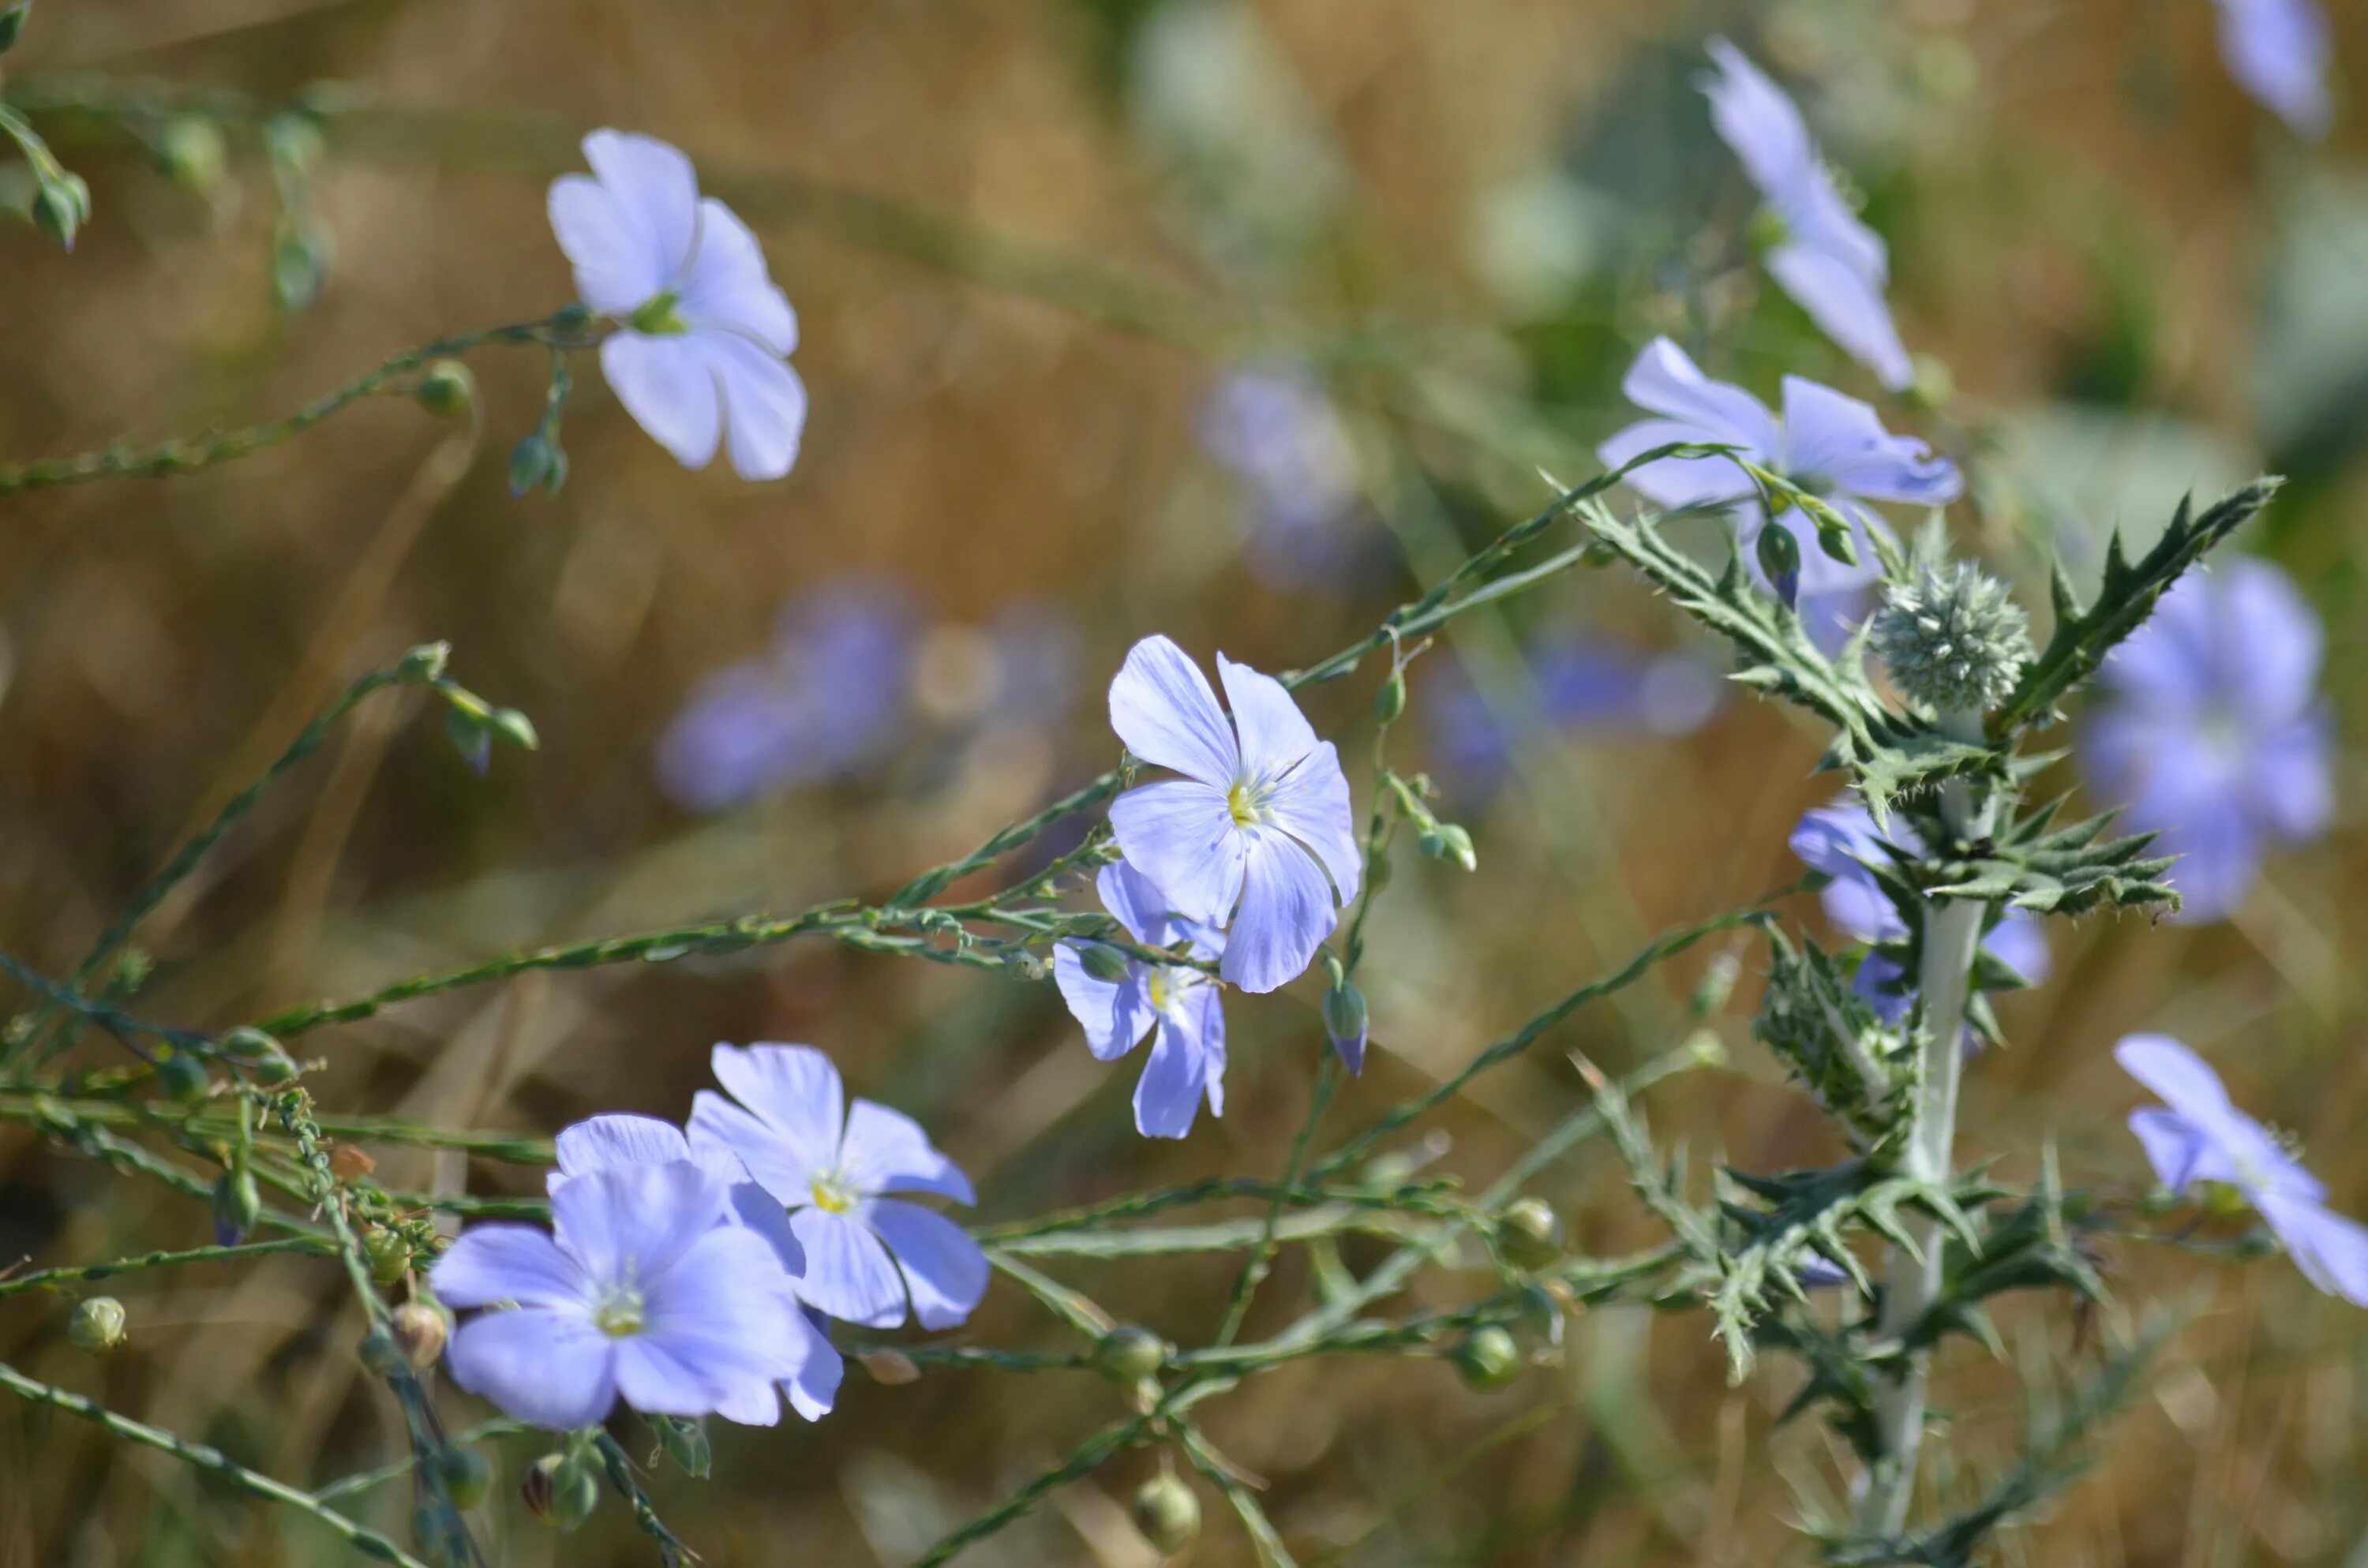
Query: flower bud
[
  {"x": 470, "y": 737},
  {"x": 12, "y": 23},
  {"x": 1023, "y": 965},
  {"x": 445, "y": 388},
  {"x": 97, "y": 1326},
  {"x": 574, "y": 316},
  {"x": 183, "y": 1076},
  {"x": 299, "y": 265},
  {"x": 1446, "y": 841},
  {"x": 1130, "y": 1353},
  {"x": 514, "y": 727},
  {"x": 1779, "y": 560},
  {"x": 191, "y": 152},
  {"x": 685, "y": 1441},
  {"x": 1529, "y": 1234},
  {"x": 62, "y": 207},
  {"x": 468, "y": 1476},
  {"x": 536, "y": 464},
  {"x": 1488, "y": 1359},
  {"x": 419, "y": 1332},
  {"x": 1167, "y": 1513},
  {"x": 247, "y": 1043},
  {"x": 1952, "y": 639},
  {"x": 1105, "y": 963},
  {"x": 389, "y": 1256},
  {"x": 1391, "y": 699},
  {"x": 379, "y": 1352},
  {"x": 273, "y": 1070},
  {"x": 1345, "y": 1022},
  {"x": 1716, "y": 986},
  {"x": 575, "y": 1490},
  {"x": 237, "y": 1204}
]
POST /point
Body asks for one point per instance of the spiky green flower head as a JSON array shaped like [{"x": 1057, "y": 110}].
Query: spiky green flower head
[{"x": 1952, "y": 638}]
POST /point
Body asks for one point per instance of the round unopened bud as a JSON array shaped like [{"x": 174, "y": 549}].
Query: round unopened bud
[
  {"x": 1130, "y": 1353},
  {"x": 574, "y": 1493},
  {"x": 1390, "y": 700},
  {"x": 1446, "y": 841},
  {"x": 183, "y": 1076},
  {"x": 379, "y": 1352},
  {"x": 1529, "y": 1234},
  {"x": 237, "y": 1204},
  {"x": 514, "y": 727},
  {"x": 1488, "y": 1359},
  {"x": 62, "y": 207},
  {"x": 389, "y": 1256},
  {"x": 1954, "y": 639},
  {"x": 192, "y": 152},
  {"x": 419, "y": 1332},
  {"x": 468, "y": 1476},
  {"x": 536, "y": 463},
  {"x": 299, "y": 265},
  {"x": 1345, "y": 1023},
  {"x": 684, "y": 1438},
  {"x": 247, "y": 1043},
  {"x": 97, "y": 1326},
  {"x": 1780, "y": 560},
  {"x": 445, "y": 388},
  {"x": 1168, "y": 1512},
  {"x": 273, "y": 1070},
  {"x": 1104, "y": 963}
]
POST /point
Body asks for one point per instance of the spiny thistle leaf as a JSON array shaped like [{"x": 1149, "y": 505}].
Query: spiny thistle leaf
[
  {"x": 2067, "y": 870},
  {"x": 2084, "y": 636}
]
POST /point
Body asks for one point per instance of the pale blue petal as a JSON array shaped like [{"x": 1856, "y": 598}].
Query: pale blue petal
[
  {"x": 635, "y": 1219},
  {"x": 1756, "y": 119},
  {"x": 1136, "y": 904},
  {"x": 669, "y": 1376},
  {"x": 554, "y": 1370},
  {"x": 1168, "y": 1095},
  {"x": 599, "y": 1143},
  {"x": 887, "y": 1152},
  {"x": 726, "y": 284},
  {"x": 944, "y": 1269},
  {"x": 1841, "y": 440},
  {"x": 795, "y": 1091},
  {"x": 2278, "y": 51},
  {"x": 1181, "y": 835},
  {"x": 764, "y": 406},
  {"x": 2330, "y": 1250},
  {"x": 2173, "y": 1147},
  {"x": 719, "y": 1130},
  {"x": 2290, "y": 784},
  {"x": 1840, "y": 841},
  {"x": 848, "y": 1274},
  {"x": 665, "y": 384},
  {"x": 752, "y": 1404},
  {"x": 1663, "y": 380},
  {"x": 1848, "y": 306},
  {"x": 657, "y": 189},
  {"x": 755, "y": 1208},
  {"x": 1286, "y": 913},
  {"x": 2019, "y": 941},
  {"x": 2265, "y": 637},
  {"x": 1274, "y": 734},
  {"x": 1676, "y": 482},
  {"x": 813, "y": 1387},
  {"x": 1162, "y": 707},
  {"x": 617, "y": 267},
  {"x": 507, "y": 1263},
  {"x": 1115, "y": 1016},
  {"x": 2180, "y": 1078},
  {"x": 1311, "y": 806}
]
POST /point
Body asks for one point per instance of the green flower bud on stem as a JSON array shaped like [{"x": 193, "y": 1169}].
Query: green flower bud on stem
[
  {"x": 1130, "y": 1353},
  {"x": 184, "y": 1077},
  {"x": 1168, "y": 1512},
  {"x": 1105, "y": 963},
  {"x": 1529, "y": 1234},
  {"x": 468, "y": 1476},
  {"x": 445, "y": 388},
  {"x": 1391, "y": 699},
  {"x": 237, "y": 1204},
  {"x": 192, "y": 154},
  {"x": 1446, "y": 841},
  {"x": 98, "y": 1326},
  {"x": 1488, "y": 1359},
  {"x": 684, "y": 1438},
  {"x": 389, "y": 1256},
  {"x": 1952, "y": 639},
  {"x": 419, "y": 1333},
  {"x": 379, "y": 1352}
]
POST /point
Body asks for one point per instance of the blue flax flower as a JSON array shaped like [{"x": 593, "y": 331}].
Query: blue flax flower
[
  {"x": 2196, "y": 1135},
  {"x": 1832, "y": 446},
  {"x": 637, "y": 1289},
  {"x": 2212, "y": 730},
  {"x": 1246, "y": 837},
  {"x": 829, "y": 1167},
  {"x": 619, "y": 1142},
  {"x": 698, "y": 354},
  {"x": 1175, "y": 1004},
  {"x": 1840, "y": 840},
  {"x": 1277, "y": 433},
  {"x": 1834, "y": 265},
  {"x": 2278, "y": 51}
]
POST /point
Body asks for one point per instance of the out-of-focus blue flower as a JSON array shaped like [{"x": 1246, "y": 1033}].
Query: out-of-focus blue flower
[
  {"x": 700, "y": 355},
  {"x": 1259, "y": 819},
  {"x": 621, "y": 1142},
  {"x": 830, "y": 699},
  {"x": 1840, "y": 840},
  {"x": 1036, "y": 661},
  {"x": 1277, "y": 433},
  {"x": 2212, "y": 730},
  {"x": 2278, "y": 51},
  {"x": 637, "y": 1289},
  {"x": 1583, "y": 685},
  {"x": 1831, "y": 446},
  {"x": 1177, "y": 1005},
  {"x": 2197, "y": 1135},
  {"x": 1834, "y": 265},
  {"x": 828, "y": 1166}
]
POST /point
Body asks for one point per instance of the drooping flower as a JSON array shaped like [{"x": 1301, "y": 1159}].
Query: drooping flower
[
  {"x": 829, "y": 699},
  {"x": 1257, "y": 835},
  {"x": 699, "y": 352},
  {"x": 1832, "y": 263},
  {"x": 829, "y": 1167},
  {"x": 2278, "y": 51},
  {"x": 1177, "y": 1005},
  {"x": 1584, "y": 686},
  {"x": 2212, "y": 730},
  {"x": 2198, "y": 1135},
  {"x": 1840, "y": 840},
  {"x": 619, "y": 1142},
  {"x": 638, "y": 1290},
  {"x": 1278, "y": 433},
  {"x": 1831, "y": 446}
]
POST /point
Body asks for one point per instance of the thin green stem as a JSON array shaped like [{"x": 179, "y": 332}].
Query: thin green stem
[
  {"x": 91, "y": 1273},
  {"x": 1253, "y": 1271}
]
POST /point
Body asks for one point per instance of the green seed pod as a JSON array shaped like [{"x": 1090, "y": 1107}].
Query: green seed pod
[
  {"x": 1488, "y": 1359},
  {"x": 1345, "y": 1023},
  {"x": 247, "y": 1043},
  {"x": 1168, "y": 1512},
  {"x": 537, "y": 463},
  {"x": 685, "y": 1441},
  {"x": 1445, "y": 841},
  {"x": 389, "y": 1255},
  {"x": 1779, "y": 558},
  {"x": 1529, "y": 1234},
  {"x": 379, "y": 1352},
  {"x": 468, "y": 1476},
  {"x": 1105, "y": 963},
  {"x": 192, "y": 152},
  {"x": 445, "y": 388},
  {"x": 419, "y": 1333},
  {"x": 299, "y": 265},
  {"x": 1130, "y": 1353},
  {"x": 575, "y": 1492},
  {"x": 97, "y": 1326},
  {"x": 183, "y": 1076},
  {"x": 514, "y": 727},
  {"x": 273, "y": 1070},
  {"x": 237, "y": 1204},
  {"x": 1390, "y": 700},
  {"x": 62, "y": 207}
]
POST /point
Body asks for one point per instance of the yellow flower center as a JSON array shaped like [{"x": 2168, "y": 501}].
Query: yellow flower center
[
  {"x": 1246, "y": 802},
  {"x": 657, "y": 315},
  {"x": 832, "y": 1194},
  {"x": 618, "y": 1313}
]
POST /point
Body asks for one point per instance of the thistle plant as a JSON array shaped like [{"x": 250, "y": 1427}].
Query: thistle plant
[{"x": 744, "y": 1255}]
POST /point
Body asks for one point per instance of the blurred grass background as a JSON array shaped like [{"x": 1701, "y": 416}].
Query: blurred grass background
[{"x": 1025, "y": 241}]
